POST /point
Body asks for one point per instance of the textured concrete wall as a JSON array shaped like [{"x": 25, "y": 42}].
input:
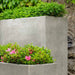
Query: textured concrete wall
[
  {"x": 56, "y": 40},
  {"x": 45, "y": 31},
  {"x": 23, "y": 31},
  {"x": 13, "y": 69}
]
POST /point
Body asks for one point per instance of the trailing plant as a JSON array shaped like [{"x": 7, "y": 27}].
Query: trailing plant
[
  {"x": 10, "y": 4},
  {"x": 42, "y": 9},
  {"x": 29, "y": 54}
]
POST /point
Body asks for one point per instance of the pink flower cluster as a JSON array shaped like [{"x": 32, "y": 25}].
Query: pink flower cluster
[
  {"x": 31, "y": 51},
  {"x": 28, "y": 58},
  {"x": 2, "y": 59},
  {"x": 8, "y": 49},
  {"x": 12, "y": 52}
]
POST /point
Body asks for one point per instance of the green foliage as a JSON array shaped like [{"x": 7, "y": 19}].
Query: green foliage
[
  {"x": 42, "y": 9},
  {"x": 37, "y": 55},
  {"x": 71, "y": 1},
  {"x": 10, "y": 4}
]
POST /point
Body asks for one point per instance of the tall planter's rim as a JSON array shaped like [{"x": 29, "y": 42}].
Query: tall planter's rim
[
  {"x": 26, "y": 65},
  {"x": 33, "y": 17}
]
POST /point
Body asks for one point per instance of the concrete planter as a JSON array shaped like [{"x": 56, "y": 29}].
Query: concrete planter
[
  {"x": 45, "y": 31},
  {"x": 41, "y": 69}
]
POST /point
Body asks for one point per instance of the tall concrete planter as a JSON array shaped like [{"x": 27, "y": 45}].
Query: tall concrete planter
[
  {"x": 45, "y": 31},
  {"x": 13, "y": 69}
]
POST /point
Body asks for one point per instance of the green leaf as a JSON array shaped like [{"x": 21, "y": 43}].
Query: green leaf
[
  {"x": 32, "y": 1},
  {"x": 4, "y": 5},
  {"x": 36, "y": 1},
  {"x": 4, "y": 1},
  {"x": 7, "y": 1},
  {"x": 1, "y": 6},
  {"x": 13, "y": 2},
  {"x": 73, "y": 1},
  {"x": 26, "y": 1},
  {"x": 10, "y": 5}
]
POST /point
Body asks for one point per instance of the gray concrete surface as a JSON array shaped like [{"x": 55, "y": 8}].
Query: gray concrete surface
[
  {"x": 23, "y": 31},
  {"x": 56, "y": 40},
  {"x": 13, "y": 69},
  {"x": 45, "y": 31}
]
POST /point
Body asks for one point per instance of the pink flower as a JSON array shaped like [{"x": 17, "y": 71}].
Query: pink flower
[
  {"x": 30, "y": 52},
  {"x": 27, "y": 58},
  {"x": 2, "y": 61},
  {"x": 8, "y": 50},
  {"x": 13, "y": 52},
  {"x": 1, "y": 57}
]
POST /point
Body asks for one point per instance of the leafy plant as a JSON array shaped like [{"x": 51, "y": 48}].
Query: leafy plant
[
  {"x": 10, "y": 4},
  {"x": 29, "y": 54},
  {"x": 71, "y": 1},
  {"x": 42, "y": 9}
]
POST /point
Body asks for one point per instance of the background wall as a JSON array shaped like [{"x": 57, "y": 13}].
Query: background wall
[
  {"x": 41, "y": 31},
  {"x": 71, "y": 35}
]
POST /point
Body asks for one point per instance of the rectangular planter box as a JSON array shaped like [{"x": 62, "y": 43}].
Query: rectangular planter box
[
  {"x": 40, "y": 69},
  {"x": 45, "y": 31}
]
